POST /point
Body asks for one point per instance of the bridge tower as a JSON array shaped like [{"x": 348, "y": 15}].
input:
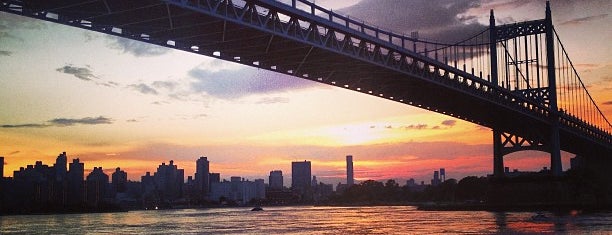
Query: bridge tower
[{"x": 516, "y": 43}]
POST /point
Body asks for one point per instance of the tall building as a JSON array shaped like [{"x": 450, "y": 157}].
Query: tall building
[
  {"x": 214, "y": 178},
  {"x": 276, "y": 180},
  {"x": 60, "y": 167},
  {"x": 442, "y": 174},
  {"x": 169, "y": 180},
  {"x": 237, "y": 190},
  {"x": 119, "y": 180},
  {"x": 75, "y": 176},
  {"x": 147, "y": 184},
  {"x": 76, "y": 171},
  {"x": 350, "y": 180},
  {"x": 1, "y": 168},
  {"x": 436, "y": 179},
  {"x": 300, "y": 178},
  {"x": 202, "y": 175},
  {"x": 97, "y": 182}
]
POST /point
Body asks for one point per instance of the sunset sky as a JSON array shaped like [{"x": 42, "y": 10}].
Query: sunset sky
[{"x": 113, "y": 102}]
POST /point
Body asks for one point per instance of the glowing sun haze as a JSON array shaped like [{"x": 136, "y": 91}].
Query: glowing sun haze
[{"x": 113, "y": 102}]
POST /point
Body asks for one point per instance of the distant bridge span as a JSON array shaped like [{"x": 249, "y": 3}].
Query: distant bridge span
[{"x": 507, "y": 78}]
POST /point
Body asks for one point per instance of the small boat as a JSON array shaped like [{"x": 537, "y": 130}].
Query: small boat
[{"x": 257, "y": 208}]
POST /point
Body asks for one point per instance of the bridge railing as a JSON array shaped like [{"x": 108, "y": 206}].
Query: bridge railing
[
  {"x": 466, "y": 79},
  {"x": 470, "y": 55}
]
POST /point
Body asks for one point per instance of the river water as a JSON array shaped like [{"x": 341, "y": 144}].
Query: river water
[{"x": 307, "y": 220}]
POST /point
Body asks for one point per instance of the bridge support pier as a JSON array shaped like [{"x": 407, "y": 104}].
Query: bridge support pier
[
  {"x": 555, "y": 152},
  {"x": 555, "y": 146},
  {"x": 498, "y": 156}
]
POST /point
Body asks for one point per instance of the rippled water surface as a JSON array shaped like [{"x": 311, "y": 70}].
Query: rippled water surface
[{"x": 307, "y": 220}]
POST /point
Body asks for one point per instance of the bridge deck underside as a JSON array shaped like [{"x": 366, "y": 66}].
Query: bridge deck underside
[{"x": 157, "y": 22}]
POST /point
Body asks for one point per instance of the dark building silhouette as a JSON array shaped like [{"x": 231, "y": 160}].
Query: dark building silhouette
[
  {"x": 97, "y": 183},
  {"x": 350, "y": 179},
  {"x": 119, "y": 180},
  {"x": 214, "y": 178},
  {"x": 276, "y": 180},
  {"x": 60, "y": 167},
  {"x": 413, "y": 186},
  {"x": 202, "y": 176},
  {"x": 301, "y": 179},
  {"x": 238, "y": 190},
  {"x": 1, "y": 168},
  {"x": 322, "y": 191},
  {"x": 59, "y": 188},
  {"x": 169, "y": 181},
  {"x": 436, "y": 179},
  {"x": 147, "y": 184},
  {"x": 340, "y": 188},
  {"x": 75, "y": 176}
]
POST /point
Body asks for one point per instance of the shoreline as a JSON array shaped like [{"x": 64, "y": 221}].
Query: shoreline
[{"x": 421, "y": 206}]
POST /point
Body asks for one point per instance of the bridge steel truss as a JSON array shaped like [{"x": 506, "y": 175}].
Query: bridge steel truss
[
  {"x": 323, "y": 46},
  {"x": 549, "y": 140}
]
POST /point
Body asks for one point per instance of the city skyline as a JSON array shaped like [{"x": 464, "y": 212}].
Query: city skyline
[
  {"x": 201, "y": 178},
  {"x": 174, "y": 105}
]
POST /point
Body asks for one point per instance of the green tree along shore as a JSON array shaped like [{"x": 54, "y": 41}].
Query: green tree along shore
[{"x": 574, "y": 190}]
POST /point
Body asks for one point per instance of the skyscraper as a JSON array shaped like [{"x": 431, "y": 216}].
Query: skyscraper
[
  {"x": 60, "y": 167},
  {"x": 97, "y": 181},
  {"x": 300, "y": 178},
  {"x": 214, "y": 178},
  {"x": 119, "y": 180},
  {"x": 75, "y": 176},
  {"x": 350, "y": 180},
  {"x": 436, "y": 179},
  {"x": 169, "y": 180},
  {"x": 202, "y": 176},
  {"x": 276, "y": 180}
]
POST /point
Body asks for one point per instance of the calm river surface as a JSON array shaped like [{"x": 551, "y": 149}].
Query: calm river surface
[{"x": 307, "y": 220}]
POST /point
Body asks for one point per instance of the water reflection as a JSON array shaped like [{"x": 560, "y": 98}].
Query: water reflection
[{"x": 311, "y": 220}]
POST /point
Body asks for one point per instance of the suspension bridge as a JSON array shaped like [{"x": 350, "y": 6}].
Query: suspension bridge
[{"x": 516, "y": 79}]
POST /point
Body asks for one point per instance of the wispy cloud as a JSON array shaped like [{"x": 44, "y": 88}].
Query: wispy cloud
[
  {"x": 233, "y": 84},
  {"x": 449, "y": 123},
  {"x": 607, "y": 103},
  {"x": 84, "y": 121},
  {"x": 160, "y": 102},
  {"x": 168, "y": 85},
  {"x": 273, "y": 100},
  {"x": 136, "y": 48},
  {"x": 83, "y": 73},
  {"x": 144, "y": 89},
  {"x": 5, "y": 53},
  {"x": 63, "y": 122},
  {"x": 442, "y": 20},
  {"x": 578, "y": 21},
  {"x": 446, "y": 124},
  {"x": 29, "y": 125}
]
